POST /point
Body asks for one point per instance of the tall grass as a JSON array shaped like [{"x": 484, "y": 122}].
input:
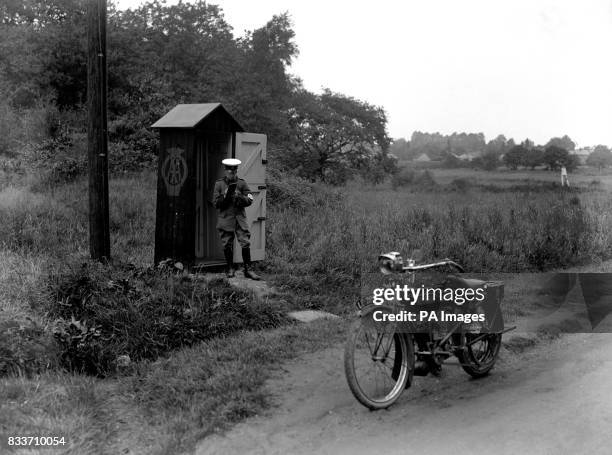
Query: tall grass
[
  {"x": 486, "y": 232},
  {"x": 319, "y": 243},
  {"x": 319, "y": 247},
  {"x": 54, "y": 222},
  {"x": 319, "y": 240}
]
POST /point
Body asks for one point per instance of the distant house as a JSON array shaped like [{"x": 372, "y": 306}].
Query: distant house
[
  {"x": 466, "y": 156},
  {"x": 423, "y": 157},
  {"x": 582, "y": 153}
]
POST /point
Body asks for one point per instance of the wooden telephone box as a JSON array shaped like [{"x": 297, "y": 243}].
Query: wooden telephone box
[{"x": 194, "y": 139}]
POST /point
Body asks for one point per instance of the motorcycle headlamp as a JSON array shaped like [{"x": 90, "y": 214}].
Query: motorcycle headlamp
[{"x": 390, "y": 262}]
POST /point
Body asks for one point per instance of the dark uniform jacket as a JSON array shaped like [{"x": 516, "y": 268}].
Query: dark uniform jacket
[{"x": 230, "y": 208}]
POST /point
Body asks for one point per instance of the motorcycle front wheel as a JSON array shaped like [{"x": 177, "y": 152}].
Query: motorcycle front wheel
[{"x": 378, "y": 362}]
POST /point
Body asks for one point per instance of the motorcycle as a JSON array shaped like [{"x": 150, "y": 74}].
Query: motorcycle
[{"x": 387, "y": 347}]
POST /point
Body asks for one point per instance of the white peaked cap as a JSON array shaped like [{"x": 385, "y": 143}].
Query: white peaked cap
[{"x": 231, "y": 162}]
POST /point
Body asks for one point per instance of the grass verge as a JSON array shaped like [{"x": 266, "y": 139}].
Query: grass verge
[{"x": 164, "y": 406}]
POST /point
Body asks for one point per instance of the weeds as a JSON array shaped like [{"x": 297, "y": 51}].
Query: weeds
[
  {"x": 104, "y": 312},
  {"x": 417, "y": 180},
  {"x": 320, "y": 241}
]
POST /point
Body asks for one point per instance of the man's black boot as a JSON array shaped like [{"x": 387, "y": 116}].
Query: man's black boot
[
  {"x": 246, "y": 258},
  {"x": 229, "y": 259}
]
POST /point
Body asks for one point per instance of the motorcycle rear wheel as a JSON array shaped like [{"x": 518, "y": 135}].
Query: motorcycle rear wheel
[{"x": 479, "y": 358}]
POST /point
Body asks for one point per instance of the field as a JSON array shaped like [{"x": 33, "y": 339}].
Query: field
[
  {"x": 581, "y": 177},
  {"x": 320, "y": 242}
]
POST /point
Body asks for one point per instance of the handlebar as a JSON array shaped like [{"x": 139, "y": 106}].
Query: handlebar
[
  {"x": 393, "y": 262},
  {"x": 416, "y": 268}
]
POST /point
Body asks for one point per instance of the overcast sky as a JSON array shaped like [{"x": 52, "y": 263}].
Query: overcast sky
[{"x": 523, "y": 68}]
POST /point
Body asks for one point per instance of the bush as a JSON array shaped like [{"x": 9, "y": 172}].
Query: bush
[
  {"x": 425, "y": 180},
  {"x": 106, "y": 313},
  {"x": 564, "y": 235},
  {"x": 287, "y": 191},
  {"x": 12, "y": 170},
  {"x": 461, "y": 185},
  {"x": 404, "y": 177},
  {"x": 123, "y": 159},
  {"x": 63, "y": 158},
  {"x": 56, "y": 161},
  {"x": 25, "y": 348},
  {"x": 24, "y": 122},
  {"x": 129, "y": 130},
  {"x": 409, "y": 178}
]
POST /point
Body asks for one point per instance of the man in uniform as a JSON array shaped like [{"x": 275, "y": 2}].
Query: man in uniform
[{"x": 231, "y": 196}]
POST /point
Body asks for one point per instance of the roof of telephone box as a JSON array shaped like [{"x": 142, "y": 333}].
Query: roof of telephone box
[{"x": 189, "y": 115}]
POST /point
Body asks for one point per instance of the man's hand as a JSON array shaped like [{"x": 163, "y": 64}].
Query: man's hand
[{"x": 230, "y": 192}]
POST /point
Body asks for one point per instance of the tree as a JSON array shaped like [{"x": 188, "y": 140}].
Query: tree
[
  {"x": 334, "y": 132},
  {"x": 555, "y": 157},
  {"x": 401, "y": 148},
  {"x": 262, "y": 94},
  {"x": 516, "y": 156},
  {"x": 600, "y": 157},
  {"x": 497, "y": 146},
  {"x": 450, "y": 160},
  {"x": 380, "y": 166},
  {"x": 43, "y": 48},
  {"x": 534, "y": 157},
  {"x": 562, "y": 142},
  {"x": 460, "y": 143},
  {"x": 160, "y": 55},
  {"x": 490, "y": 161},
  {"x": 434, "y": 145}
]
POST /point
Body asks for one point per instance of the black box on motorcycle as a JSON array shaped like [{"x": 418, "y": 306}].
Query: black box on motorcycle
[{"x": 491, "y": 305}]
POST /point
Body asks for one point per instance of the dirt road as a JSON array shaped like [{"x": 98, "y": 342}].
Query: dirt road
[{"x": 555, "y": 398}]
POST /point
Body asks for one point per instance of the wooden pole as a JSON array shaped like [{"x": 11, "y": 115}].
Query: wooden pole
[{"x": 97, "y": 144}]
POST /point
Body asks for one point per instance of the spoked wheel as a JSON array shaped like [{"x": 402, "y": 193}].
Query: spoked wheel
[
  {"x": 378, "y": 363},
  {"x": 481, "y": 353}
]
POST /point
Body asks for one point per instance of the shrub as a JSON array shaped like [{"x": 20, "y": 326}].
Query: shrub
[
  {"x": 107, "y": 312},
  {"x": 563, "y": 235},
  {"x": 461, "y": 185},
  {"x": 418, "y": 180},
  {"x": 56, "y": 161},
  {"x": 123, "y": 158},
  {"x": 12, "y": 170},
  {"x": 24, "y": 120},
  {"x": 63, "y": 159},
  {"x": 25, "y": 347},
  {"x": 425, "y": 180},
  {"x": 8, "y": 133},
  {"x": 403, "y": 178},
  {"x": 287, "y": 191}
]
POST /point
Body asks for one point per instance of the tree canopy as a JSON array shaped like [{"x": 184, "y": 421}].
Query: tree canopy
[
  {"x": 600, "y": 157},
  {"x": 555, "y": 157},
  {"x": 160, "y": 55},
  {"x": 562, "y": 142},
  {"x": 333, "y": 133}
]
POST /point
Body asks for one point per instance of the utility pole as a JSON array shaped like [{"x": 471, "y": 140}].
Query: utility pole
[{"x": 97, "y": 141}]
